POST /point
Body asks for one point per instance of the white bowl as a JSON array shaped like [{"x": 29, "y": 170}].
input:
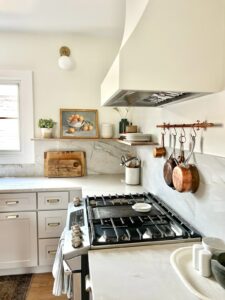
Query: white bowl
[
  {"x": 213, "y": 244},
  {"x": 142, "y": 207}
]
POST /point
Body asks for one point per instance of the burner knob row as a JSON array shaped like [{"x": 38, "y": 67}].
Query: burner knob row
[{"x": 76, "y": 236}]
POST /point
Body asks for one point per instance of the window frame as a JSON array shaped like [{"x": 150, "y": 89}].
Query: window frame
[{"x": 26, "y": 153}]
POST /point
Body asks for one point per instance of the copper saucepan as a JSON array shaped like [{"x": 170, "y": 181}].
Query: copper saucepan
[
  {"x": 185, "y": 176},
  {"x": 170, "y": 164},
  {"x": 160, "y": 151}
]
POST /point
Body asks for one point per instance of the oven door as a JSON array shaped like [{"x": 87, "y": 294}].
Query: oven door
[{"x": 78, "y": 267}]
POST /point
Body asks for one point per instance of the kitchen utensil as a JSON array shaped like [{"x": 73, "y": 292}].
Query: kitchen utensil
[
  {"x": 218, "y": 267},
  {"x": 169, "y": 165},
  {"x": 185, "y": 176},
  {"x": 160, "y": 151},
  {"x": 131, "y": 162},
  {"x": 64, "y": 164}
]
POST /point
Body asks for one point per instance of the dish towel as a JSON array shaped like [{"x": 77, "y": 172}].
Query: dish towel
[{"x": 62, "y": 282}]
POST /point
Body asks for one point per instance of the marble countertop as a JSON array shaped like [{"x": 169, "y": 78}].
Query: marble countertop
[
  {"x": 132, "y": 273},
  {"x": 91, "y": 184}
]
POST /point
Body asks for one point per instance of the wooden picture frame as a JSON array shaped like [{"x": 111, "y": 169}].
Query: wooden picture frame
[{"x": 79, "y": 123}]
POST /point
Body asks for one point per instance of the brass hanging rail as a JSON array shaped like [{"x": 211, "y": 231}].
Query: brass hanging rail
[{"x": 197, "y": 125}]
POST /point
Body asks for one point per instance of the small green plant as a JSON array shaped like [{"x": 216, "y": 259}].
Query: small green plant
[{"x": 46, "y": 123}]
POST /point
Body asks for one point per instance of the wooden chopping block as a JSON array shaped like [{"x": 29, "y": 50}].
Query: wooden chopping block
[{"x": 64, "y": 164}]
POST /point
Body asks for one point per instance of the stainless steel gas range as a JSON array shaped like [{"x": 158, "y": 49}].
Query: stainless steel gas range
[{"x": 110, "y": 221}]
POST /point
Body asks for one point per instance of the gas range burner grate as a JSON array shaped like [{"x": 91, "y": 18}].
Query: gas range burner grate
[{"x": 113, "y": 221}]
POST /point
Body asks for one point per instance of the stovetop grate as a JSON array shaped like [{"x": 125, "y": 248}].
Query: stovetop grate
[{"x": 113, "y": 221}]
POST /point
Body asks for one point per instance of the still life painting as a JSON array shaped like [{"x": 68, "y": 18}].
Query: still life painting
[{"x": 79, "y": 123}]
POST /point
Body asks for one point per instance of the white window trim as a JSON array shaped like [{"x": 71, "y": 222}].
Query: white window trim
[{"x": 26, "y": 153}]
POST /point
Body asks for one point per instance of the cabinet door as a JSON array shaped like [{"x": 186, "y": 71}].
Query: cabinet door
[
  {"x": 51, "y": 223},
  {"x": 18, "y": 240}
]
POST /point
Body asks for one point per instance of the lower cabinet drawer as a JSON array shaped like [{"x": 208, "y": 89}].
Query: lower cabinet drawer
[
  {"x": 51, "y": 223},
  {"x": 47, "y": 251}
]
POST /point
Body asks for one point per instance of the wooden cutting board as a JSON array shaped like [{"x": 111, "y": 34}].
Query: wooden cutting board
[{"x": 64, "y": 164}]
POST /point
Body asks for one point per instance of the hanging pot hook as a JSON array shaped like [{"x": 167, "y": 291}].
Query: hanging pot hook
[
  {"x": 193, "y": 132},
  {"x": 163, "y": 131},
  {"x": 182, "y": 138},
  {"x": 175, "y": 132}
]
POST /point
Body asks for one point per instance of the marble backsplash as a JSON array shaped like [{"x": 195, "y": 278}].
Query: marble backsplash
[
  {"x": 102, "y": 157},
  {"x": 205, "y": 209}
]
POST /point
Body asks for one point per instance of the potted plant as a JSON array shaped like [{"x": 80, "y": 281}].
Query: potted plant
[{"x": 46, "y": 126}]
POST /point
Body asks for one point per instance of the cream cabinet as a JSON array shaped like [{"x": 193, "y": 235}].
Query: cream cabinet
[
  {"x": 31, "y": 224},
  {"x": 18, "y": 239},
  {"x": 52, "y": 211}
]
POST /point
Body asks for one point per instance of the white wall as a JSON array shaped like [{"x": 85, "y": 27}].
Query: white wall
[
  {"x": 53, "y": 87},
  {"x": 206, "y": 208}
]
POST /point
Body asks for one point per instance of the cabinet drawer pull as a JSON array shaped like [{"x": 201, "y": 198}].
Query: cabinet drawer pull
[
  {"x": 51, "y": 201},
  {"x": 53, "y": 224},
  {"x": 12, "y": 217},
  {"x": 52, "y": 252},
  {"x": 11, "y": 202}
]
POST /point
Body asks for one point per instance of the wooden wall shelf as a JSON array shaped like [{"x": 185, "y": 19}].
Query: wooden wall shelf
[
  {"x": 96, "y": 139},
  {"x": 71, "y": 139}
]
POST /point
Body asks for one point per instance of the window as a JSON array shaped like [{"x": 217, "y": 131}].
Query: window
[
  {"x": 16, "y": 117},
  {"x": 9, "y": 117}
]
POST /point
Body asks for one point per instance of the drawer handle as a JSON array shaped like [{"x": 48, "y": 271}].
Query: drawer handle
[
  {"x": 12, "y": 217},
  {"x": 52, "y": 252},
  {"x": 52, "y": 201},
  {"x": 53, "y": 224},
  {"x": 11, "y": 202}
]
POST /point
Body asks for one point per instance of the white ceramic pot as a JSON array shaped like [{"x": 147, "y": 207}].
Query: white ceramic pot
[{"x": 46, "y": 132}]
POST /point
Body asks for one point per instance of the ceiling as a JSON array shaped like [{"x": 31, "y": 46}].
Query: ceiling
[{"x": 95, "y": 17}]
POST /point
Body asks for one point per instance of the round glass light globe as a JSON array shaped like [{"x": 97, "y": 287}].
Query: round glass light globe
[{"x": 65, "y": 63}]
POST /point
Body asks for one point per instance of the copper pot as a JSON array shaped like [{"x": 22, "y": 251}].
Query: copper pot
[
  {"x": 160, "y": 151},
  {"x": 169, "y": 165},
  {"x": 185, "y": 176}
]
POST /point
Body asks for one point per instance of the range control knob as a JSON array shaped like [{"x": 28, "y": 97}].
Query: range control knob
[
  {"x": 75, "y": 227},
  {"x": 76, "y": 232},
  {"x": 76, "y": 241},
  {"x": 76, "y": 201}
]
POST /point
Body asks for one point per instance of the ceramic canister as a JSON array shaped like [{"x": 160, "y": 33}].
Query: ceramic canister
[{"x": 106, "y": 130}]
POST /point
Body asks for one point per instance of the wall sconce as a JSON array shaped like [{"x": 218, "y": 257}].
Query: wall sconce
[{"x": 65, "y": 62}]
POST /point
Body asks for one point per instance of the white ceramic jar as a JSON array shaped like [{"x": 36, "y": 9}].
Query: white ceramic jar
[{"x": 106, "y": 130}]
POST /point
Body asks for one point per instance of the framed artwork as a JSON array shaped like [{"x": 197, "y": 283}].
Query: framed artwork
[{"x": 79, "y": 123}]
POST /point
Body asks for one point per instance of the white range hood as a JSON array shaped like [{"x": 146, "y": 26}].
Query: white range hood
[{"x": 171, "y": 50}]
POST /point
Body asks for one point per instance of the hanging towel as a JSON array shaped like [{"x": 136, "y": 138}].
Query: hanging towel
[{"x": 62, "y": 282}]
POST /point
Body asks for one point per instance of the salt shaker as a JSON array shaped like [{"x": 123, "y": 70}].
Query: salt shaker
[
  {"x": 204, "y": 263},
  {"x": 195, "y": 255}
]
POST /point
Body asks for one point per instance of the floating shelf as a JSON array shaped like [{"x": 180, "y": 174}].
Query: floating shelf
[
  {"x": 96, "y": 139},
  {"x": 137, "y": 143},
  {"x": 71, "y": 139}
]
